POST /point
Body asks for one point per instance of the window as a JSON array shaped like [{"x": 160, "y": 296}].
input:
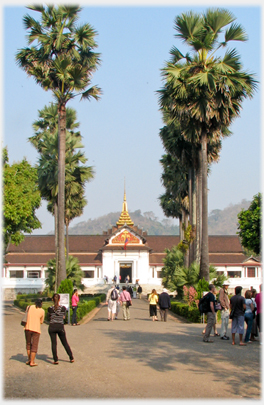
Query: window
[
  {"x": 159, "y": 274},
  {"x": 251, "y": 272},
  {"x": 33, "y": 274},
  {"x": 89, "y": 274},
  {"x": 233, "y": 274},
  {"x": 16, "y": 274}
]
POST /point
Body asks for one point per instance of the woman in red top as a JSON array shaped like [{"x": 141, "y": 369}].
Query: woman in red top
[{"x": 75, "y": 300}]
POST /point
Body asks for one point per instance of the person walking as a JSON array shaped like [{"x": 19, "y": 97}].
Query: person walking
[
  {"x": 56, "y": 316},
  {"x": 74, "y": 300},
  {"x": 164, "y": 304},
  {"x": 111, "y": 298},
  {"x": 211, "y": 318},
  {"x": 35, "y": 318},
  {"x": 248, "y": 315},
  {"x": 254, "y": 330},
  {"x": 237, "y": 306},
  {"x": 117, "y": 302},
  {"x": 139, "y": 291},
  {"x": 153, "y": 300},
  {"x": 224, "y": 302},
  {"x": 125, "y": 301}
]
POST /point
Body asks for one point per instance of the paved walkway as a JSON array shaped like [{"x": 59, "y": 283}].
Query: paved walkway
[{"x": 136, "y": 359}]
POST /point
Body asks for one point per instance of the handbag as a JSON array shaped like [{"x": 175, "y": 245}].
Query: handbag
[
  {"x": 128, "y": 304},
  {"x": 24, "y": 319},
  {"x": 218, "y": 306}
]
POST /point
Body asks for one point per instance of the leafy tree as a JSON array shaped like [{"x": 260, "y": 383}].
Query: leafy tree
[
  {"x": 74, "y": 273},
  {"x": 176, "y": 276},
  {"x": 173, "y": 262},
  {"x": 204, "y": 92},
  {"x": 21, "y": 199},
  {"x": 250, "y": 225},
  {"x": 62, "y": 60}
]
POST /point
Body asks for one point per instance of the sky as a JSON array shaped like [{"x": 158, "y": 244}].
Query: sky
[{"x": 121, "y": 131}]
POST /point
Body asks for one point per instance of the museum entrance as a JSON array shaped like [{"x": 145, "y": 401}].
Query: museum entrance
[{"x": 125, "y": 270}]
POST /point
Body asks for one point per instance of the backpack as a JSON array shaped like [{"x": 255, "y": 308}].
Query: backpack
[
  {"x": 204, "y": 304},
  {"x": 114, "y": 295}
]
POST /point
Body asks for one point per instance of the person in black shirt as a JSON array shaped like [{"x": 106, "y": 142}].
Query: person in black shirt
[
  {"x": 237, "y": 303},
  {"x": 56, "y": 315},
  {"x": 211, "y": 318},
  {"x": 164, "y": 304}
]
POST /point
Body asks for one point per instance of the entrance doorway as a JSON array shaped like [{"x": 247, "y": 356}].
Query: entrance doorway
[{"x": 125, "y": 270}]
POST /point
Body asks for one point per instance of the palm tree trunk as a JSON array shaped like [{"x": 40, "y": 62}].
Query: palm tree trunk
[
  {"x": 180, "y": 227},
  {"x": 61, "y": 192},
  {"x": 204, "y": 263},
  {"x": 67, "y": 239},
  {"x": 190, "y": 194},
  {"x": 194, "y": 225},
  {"x": 187, "y": 254},
  {"x": 56, "y": 243},
  {"x": 199, "y": 209}
]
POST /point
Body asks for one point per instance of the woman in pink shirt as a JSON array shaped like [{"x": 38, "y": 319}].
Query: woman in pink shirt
[{"x": 75, "y": 300}]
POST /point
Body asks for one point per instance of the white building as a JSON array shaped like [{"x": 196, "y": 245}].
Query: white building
[{"x": 122, "y": 250}]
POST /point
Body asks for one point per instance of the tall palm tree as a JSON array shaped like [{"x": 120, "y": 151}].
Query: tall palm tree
[
  {"x": 62, "y": 60},
  {"x": 45, "y": 140},
  {"x": 207, "y": 90}
]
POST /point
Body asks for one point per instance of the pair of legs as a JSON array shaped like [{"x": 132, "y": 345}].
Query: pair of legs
[
  {"x": 163, "y": 314},
  {"x": 74, "y": 315},
  {"x": 111, "y": 310},
  {"x": 153, "y": 312},
  {"x": 32, "y": 340},
  {"x": 225, "y": 321},
  {"x": 117, "y": 310},
  {"x": 210, "y": 325},
  {"x": 215, "y": 330},
  {"x": 54, "y": 330},
  {"x": 126, "y": 312},
  {"x": 249, "y": 322},
  {"x": 238, "y": 327}
]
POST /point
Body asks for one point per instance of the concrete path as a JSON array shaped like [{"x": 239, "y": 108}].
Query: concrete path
[{"x": 136, "y": 359}]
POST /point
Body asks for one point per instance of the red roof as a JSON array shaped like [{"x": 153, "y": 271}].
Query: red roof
[{"x": 88, "y": 249}]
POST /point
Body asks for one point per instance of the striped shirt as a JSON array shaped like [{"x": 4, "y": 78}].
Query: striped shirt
[{"x": 56, "y": 316}]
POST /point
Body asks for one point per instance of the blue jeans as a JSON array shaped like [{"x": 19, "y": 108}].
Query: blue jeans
[
  {"x": 74, "y": 315},
  {"x": 249, "y": 322}
]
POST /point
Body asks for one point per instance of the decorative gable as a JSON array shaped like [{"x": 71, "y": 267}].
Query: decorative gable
[{"x": 125, "y": 236}]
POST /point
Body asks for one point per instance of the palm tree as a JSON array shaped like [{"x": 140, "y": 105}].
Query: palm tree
[
  {"x": 61, "y": 60},
  {"x": 204, "y": 91},
  {"x": 77, "y": 174}
]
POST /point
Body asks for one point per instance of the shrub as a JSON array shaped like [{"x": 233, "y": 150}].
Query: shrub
[{"x": 65, "y": 287}]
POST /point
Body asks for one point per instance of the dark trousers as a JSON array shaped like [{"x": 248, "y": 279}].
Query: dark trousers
[
  {"x": 163, "y": 314},
  {"x": 74, "y": 315},
  {"x": 54, "y": 330}
]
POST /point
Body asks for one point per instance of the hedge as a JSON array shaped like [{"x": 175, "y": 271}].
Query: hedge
[{"x": 85, "y": 305}]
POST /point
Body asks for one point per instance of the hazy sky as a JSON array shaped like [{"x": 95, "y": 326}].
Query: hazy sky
[{"x": 121, "y": 130}]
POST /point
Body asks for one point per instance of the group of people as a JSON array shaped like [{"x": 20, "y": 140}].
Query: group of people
[
  {"x": 161, "y": 302},
  {"x": 35, "y": 317},
  {"x": 239, "y": 309},
  {"x": 115, "y": 299}
]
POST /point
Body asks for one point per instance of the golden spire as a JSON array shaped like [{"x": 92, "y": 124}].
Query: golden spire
[{"x": 124, "y": 217}]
